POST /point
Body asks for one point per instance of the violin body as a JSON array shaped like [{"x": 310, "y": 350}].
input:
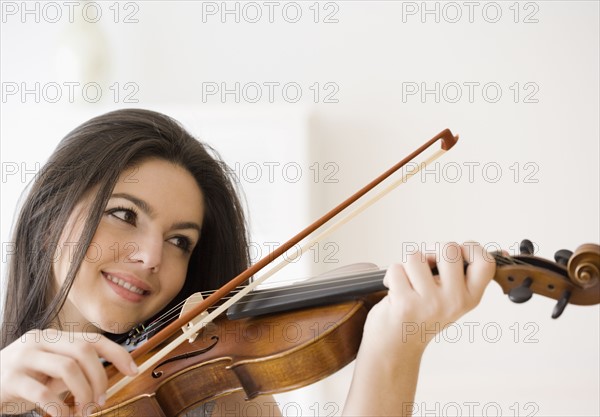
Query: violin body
[{"x": 259, "y": 355}]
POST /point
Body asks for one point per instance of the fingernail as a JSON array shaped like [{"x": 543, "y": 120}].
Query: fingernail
[
  {"x": 102, "y": 400},
  {"x": 134, "y": 368}
]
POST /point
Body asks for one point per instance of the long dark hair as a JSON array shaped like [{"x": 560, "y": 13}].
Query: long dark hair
[{"x": 95, "y": 154}]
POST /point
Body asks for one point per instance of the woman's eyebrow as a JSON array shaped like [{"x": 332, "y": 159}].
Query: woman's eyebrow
[
  {"x": 186, "y": 225},
  {"x": 147, "y": 208}
]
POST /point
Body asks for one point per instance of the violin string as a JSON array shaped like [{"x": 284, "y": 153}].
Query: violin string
[
  {"x": 363, "y": 278},
  {"x": 315, "y": 286},
  {"x": 312, "y": 287},
  {"x": 303, "y": 288},
  {"x": 167, "y": 317},
  {"x": 171, "y": 314},
  {"x": 175, "y": 311},
  {"x": 508, "y": 260}
]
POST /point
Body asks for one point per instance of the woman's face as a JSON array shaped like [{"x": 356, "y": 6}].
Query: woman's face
[{"x": 138, "y": 258}]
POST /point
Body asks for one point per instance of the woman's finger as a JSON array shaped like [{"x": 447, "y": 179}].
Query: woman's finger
[
  {"x": 81, "y": 350},
  {"x": 451, "y": 269},
  {"x": 66, "y": 369},
  {"x": 35, "y": 392},
  {"x": 419, "y": 274},
  {"x": 481, "y": 269},
  {"x": 117, "y": 355},
  {"x": 88, "y": 351},
  {"x": 396, "y": 280}
]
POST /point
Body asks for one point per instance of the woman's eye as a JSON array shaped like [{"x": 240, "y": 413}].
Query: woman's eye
[
  {"x": 182, "y": 242},
  {"x": 123, "y": 214}
]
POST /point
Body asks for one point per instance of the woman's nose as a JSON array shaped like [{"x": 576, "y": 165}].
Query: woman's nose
[{"x": 147, "y": 250}]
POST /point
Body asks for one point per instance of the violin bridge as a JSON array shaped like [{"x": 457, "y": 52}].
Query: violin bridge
[{"x": 190, "y": 303}]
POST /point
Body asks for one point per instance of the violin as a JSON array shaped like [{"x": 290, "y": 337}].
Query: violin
[
  {"x": 276, "y": 340},
  {"x": 280, "y": 339}
]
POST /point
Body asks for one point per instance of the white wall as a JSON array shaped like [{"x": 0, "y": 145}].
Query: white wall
[{"x": 373, "y": 55}]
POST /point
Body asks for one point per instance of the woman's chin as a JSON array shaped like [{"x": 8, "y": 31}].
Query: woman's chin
[{"x": 117, "y": 326}]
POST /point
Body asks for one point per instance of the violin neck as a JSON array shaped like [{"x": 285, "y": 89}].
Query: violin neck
[{"x": 311, "y": 293}]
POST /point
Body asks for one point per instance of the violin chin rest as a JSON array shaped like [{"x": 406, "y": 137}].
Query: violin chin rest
[{"x": 345, "y": 270}]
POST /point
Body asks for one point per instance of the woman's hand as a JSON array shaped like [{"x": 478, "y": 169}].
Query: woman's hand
[
  {"x": 417, "y": 307},
  {"x": 38, "y": 369}
]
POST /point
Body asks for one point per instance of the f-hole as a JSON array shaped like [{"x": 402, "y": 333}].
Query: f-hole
[{"x": 158, "y": 374}]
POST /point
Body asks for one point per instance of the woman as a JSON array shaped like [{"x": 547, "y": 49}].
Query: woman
[{"x": 126, "y": 213}]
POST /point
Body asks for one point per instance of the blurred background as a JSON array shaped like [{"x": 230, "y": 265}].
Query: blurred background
[{"x": 308, "y": 101}]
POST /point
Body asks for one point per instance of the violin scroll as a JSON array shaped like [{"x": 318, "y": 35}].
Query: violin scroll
[{"x": 584, "y": 266}]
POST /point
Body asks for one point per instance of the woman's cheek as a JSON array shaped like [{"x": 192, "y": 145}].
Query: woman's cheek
[
  {"x": 179, "y": 283},
  {"x": 93, "y": 253}
]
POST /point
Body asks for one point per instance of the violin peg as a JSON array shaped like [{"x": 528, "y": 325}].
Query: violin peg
[
  {"x": 562, "y": 256},
  {"x": 562, "y": 303},
  {"x": 526, "y": 247},
  {"x": 522, "y": 293}
]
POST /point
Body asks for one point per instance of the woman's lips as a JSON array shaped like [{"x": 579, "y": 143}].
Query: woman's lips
[{"x": 125, "y": 289}]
